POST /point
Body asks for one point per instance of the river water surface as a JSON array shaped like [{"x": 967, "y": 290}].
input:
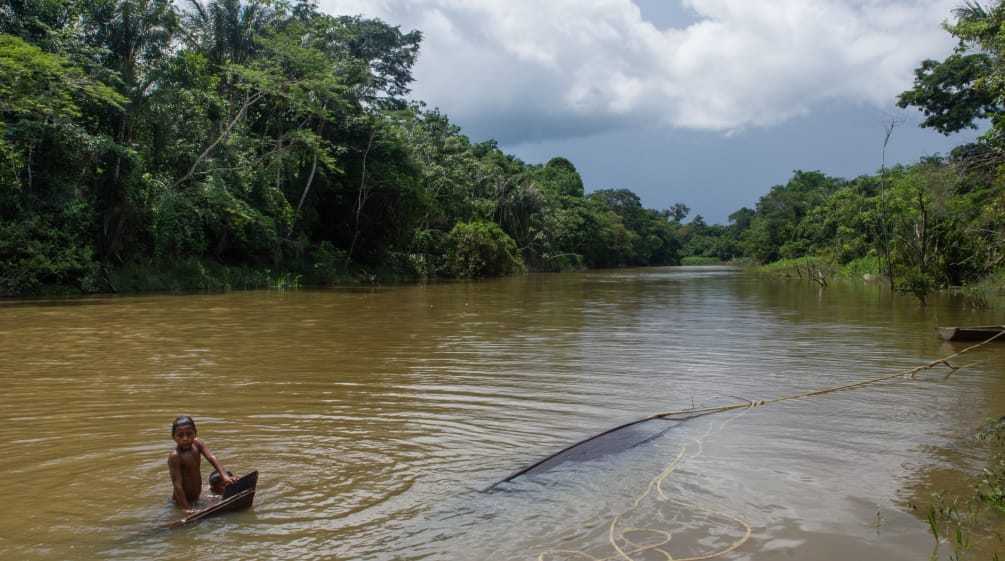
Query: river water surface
[{"x": 377, "y": 418}]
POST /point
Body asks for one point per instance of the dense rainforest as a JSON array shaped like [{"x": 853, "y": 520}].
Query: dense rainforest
[{"x": 154, "y": 144}]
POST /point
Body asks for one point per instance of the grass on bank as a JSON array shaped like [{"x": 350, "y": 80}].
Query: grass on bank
[
  {"x": 961, "y": 519},
  {"x": 862, "y": 268},
  {"x": 323, "y": 266},
  {"x": 693, "y": 260},
  {"x": 986, "y": 294},
  {"x": 196, "y": 276}
]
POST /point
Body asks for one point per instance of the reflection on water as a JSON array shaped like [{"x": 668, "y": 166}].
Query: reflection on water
[{"x": 377, "y": 417}]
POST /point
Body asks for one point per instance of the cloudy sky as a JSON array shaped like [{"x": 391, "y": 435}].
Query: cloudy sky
[{"x": 705, "y": 102}]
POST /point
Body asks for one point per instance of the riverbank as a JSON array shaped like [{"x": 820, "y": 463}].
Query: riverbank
[
  {"x": 209, "y": 276},
  {"x": 194, "y": 275},
  {"x": 970, "y": 515},
  {"x": 986, "y": 294}
]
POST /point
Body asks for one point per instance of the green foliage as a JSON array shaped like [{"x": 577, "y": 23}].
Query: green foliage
[
  {"x": 692, "y": 260},
  {"x": 955, "y": 517},
  {"x": 41, "y": 94},
  {"x": 37, "y": 254},
  {"x": 239, "y": 230},
  {"x": 862, "y": 267},
  {"x": 35, "y": 84},
  {"x": 559, "y": 176},
  {"x": 948, "y": 94},
  {"x": 195, "y": 275},
  {"x": 178, "y": 228},
  {"x": 916, "y": 283},
  {"x": 626, "y": 234},
  {"x": 930, "y": 223},
  {"x": 988, "y": 292},
  {"x": 482, "y": 249},
  {"x": 36, "y": 21},
  {"x": 268, "y": 134},
  {"x": 991, "y": 483},
  {"x": 970, "y": 84},
  {"x": 783, "y": 213},
  {"x": 262, "y": 143},
  {"x": 715, "y": 242},
  {"x": 329, "y": 263}
]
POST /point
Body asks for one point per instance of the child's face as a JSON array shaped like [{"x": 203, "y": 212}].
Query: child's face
[
  {"x": 184, "y": 436},
  {"x": 219, "y": 488}
]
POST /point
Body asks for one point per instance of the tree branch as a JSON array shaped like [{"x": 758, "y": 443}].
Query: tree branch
[{"x": 248, "y": 101}]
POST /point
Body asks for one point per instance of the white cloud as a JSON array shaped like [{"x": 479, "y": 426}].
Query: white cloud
[{"x": 578, "y": 66}]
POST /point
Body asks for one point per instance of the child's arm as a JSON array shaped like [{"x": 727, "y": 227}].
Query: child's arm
[
  {"x": 174, "y": 466},
  {"x": 215, "y": 463}
]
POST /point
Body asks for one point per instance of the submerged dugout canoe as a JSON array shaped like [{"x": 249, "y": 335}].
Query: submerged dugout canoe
[{"x": 978, "y": 333}]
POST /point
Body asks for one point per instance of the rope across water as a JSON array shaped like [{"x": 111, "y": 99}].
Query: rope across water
[
  {"x": 626, "y": 543},
  {"x": 909, "y": 374}
]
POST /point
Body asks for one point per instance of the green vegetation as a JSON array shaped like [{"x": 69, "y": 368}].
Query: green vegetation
[
  {"x": 699, "y": 260},
  {"x": 149, "y": 145},
  {"x": 958, "y": 518},
  {"x": 155, "y": 145}
]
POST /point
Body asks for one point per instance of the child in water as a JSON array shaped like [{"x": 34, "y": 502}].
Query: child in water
[{"x": 183, "y": 463}]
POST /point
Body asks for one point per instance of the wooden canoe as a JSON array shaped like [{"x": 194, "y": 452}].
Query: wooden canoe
[
  {"x": 236, "y": 496},
  {"x": 979, "y": 333}
]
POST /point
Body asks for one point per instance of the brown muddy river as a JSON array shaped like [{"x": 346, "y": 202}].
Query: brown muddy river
[{"x": 376, "y": 419}]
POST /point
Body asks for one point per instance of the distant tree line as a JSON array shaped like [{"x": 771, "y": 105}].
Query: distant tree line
[
  {"x": 268, "y": 135},
  {"x": 154, "y": 137},
  {"x": 937, "y": 223}
]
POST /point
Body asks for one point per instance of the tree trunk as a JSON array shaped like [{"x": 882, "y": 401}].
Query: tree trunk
[
  {"x": 248, "y": 101},
  {"x": 888, "y": 254},
  {"x": 303, "y": 196},
  {"x": 363, "y": 193}
]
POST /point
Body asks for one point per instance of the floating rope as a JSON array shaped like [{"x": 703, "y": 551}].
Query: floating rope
[
  {"x": 909, "y": 374},
  {"x": 621, "y": 541}
]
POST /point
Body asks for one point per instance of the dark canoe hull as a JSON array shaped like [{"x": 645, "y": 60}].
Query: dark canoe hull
[
  {"x": 980, "y": 333},
  {"x": 237, "y": 496},
  {"x": 244, "y": 483}
]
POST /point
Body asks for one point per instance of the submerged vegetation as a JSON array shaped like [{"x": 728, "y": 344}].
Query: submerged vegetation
[
  {"x": 161, "y": 145},
  {"x": 959, "y": 518}
]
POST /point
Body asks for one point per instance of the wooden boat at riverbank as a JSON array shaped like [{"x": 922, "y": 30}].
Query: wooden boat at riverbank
[
  {"x": 979, "y": 333},
  {"x": 236, "y": 496}
]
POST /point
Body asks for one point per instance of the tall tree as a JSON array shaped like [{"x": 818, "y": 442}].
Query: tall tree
[
  {"x": 225, "y": 30},
  {"x": 47, "y": 154},
  {"x": 969, "y": 85},
  {"x": 134, "y": 36},
  {"x": 39, "y": 22}
]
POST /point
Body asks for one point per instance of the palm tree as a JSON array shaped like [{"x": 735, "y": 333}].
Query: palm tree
[
  {"x": 135, "y": 35},
  {"x": 225, "y": 30},
  {"x": 978, "y": 23}
]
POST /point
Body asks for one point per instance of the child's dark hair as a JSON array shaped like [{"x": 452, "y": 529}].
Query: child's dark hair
[
  {"x": 214, "y": 478},
  {"x": 181, "y": 421}
]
